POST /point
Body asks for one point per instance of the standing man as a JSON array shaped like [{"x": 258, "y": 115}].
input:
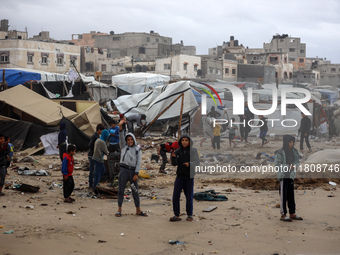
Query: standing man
[
  {"x": 93, "y": 139},
  {"x": 248, "y": 115},
  {"x": 62, "y": 140},
  {"x": 213, "y": 113},
  {"x": 304, "y": 131},
  {"x": 136, "y": 117}
]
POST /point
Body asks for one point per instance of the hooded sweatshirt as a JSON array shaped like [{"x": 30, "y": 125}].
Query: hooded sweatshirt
[
  {"x": 286, "y": 157},
  {"x": 188, "y": 154},
  {"x": 130, "y": 155},
  {"x": 62, "y": 133},
  {"x": 100, "y": 147}
]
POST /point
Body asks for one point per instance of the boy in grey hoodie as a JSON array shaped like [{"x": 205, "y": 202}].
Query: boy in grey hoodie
[
  {"x": 130, "y": 162},
  {"x": 100, "y": 148},
  {"x": 287, "y": 158}
]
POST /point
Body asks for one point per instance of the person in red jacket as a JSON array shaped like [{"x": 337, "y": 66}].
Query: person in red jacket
[
  {"x": 162, "y": 150},
  {"x": 67, "y": 170}
]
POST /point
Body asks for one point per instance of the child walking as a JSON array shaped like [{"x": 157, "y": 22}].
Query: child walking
[
  {"x": 186, "y": 159},
  {"x": 287, "y": 159},
  {"x": 67, "y": 170},
  {"x": 217, "y": 136},
  {"x": 263, "y": 129}
]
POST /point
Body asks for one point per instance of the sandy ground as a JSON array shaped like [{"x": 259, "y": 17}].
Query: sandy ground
[{"x": 248, "y": 223}]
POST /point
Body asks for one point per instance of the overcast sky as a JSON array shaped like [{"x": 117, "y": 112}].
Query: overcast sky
[{"x": 202, "y": 23}]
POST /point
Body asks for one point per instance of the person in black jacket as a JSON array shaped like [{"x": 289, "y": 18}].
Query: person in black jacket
[
  {"x": 186, "y": 159},
  {"x": 248, "y": 115},
  {"x": 263, "y": 129},
  {"x": 304, "y": 131},
  {"x": 4, "y": 159}
]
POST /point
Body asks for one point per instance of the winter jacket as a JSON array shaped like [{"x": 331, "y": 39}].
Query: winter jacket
[
  {"x": 130, "y": 156},
  {"x": 67, "y": 165},
  {"x": 188, "y": 154},
  {"x": 280, "y": 160},
  {"x": 114, "y": 139},
  {"x": 93, "y": 139},
  {"x": 62, "y": 133},
  {"x": 305, "y": 125},
  {"x": 4, "y": 153},
  {"x": 100, "y": 147}
]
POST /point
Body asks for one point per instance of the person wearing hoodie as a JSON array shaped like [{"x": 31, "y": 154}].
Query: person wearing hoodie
[
  {"x": 67, "y": 171},
  {"x": 62, "y": 140},
  {"x": 130, "y": 162},
  {"x": 186, "y": 159},
  {"x": 304, "y": 131},
  {"x": 287, "y": 159},
  {"x": 100, "y": 148}
]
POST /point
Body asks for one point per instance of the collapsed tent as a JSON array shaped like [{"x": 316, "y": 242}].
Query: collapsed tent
[
  {"x": 138, "y": 82},
  {"x": 24, "y": 104},
  {"x": 325, "y": 157},
  {"x": 154, "y": 102}
]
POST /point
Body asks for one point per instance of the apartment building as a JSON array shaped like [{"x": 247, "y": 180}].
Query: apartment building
[{"x": 292, "y": 46}]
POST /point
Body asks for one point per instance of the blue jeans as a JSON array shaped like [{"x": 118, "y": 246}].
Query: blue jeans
[
  {"x": 91, "y": 172},
  {"x": 99, "y": 170},
  {"x": 187, "y": 185}
]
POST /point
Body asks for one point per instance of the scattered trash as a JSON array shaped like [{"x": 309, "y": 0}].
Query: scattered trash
[
  {"x": 33, "y": 172},
  {"x": 9, "y": 232},
  {"x": 101, "y": 241},
  {"x": 31, "y": 207},
  {"x": 122, "y": 234},
  {"x": 332, "y": 183},
  {"x": 1, "y": 226},
  {"x": 27, "y": 188},
  {"x": 210, "y": 208},
  {"x": 175, "y": 242}
]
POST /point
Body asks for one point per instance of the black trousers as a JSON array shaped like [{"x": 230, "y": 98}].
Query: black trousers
[
  {"x": 216, "y": 142},
  {"x": 164, "y": 159},
  {"x": 68, "y": 186},
  {"x": 287, "y": 196},
  {"x": 306, "y": 138},
  {"x": 114, "y": 148}
]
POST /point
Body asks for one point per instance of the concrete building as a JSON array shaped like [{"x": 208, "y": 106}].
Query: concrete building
[
  {"x": 312, "y": 63},
  {"x": 11, "y": 34},
  {"x": 211, "y": 69},
  {"x": 230, "y": 68},
  {"x": 86, "y": 39},
  {"x": 311, "y": 77},
  {"x": 44, "y": 56},
  {"x": 292, "y": 46},
  {"x": 142, "y": 46},
  {"x": 329, "y": 74},
  {"x": 179, "y": 66},
  {"x": 256, "y": 73}
]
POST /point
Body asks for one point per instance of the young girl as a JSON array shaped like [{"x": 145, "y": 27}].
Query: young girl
[
  {"x": 186, "y": 159},
  {"x": 130, "y": 162}
]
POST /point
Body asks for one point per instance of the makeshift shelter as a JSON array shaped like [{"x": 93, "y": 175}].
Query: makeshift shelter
[
  {"x": 153, "y": 102},
  {"x": 138, "y": 82},
  {"x": 24, "y": 104}
]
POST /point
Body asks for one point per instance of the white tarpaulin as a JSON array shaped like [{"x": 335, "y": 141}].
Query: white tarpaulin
[
  {"x": 139, "y": 82},
  {"x": 152, "y": 103},
  {"x": 50, "y": 142}
]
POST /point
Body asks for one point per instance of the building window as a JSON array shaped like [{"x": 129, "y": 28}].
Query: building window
[
  {"x": 218, "y": 72},
  {"x": 195, "y": 68},
  {"x": 301, "y": 60},
  {"x": 302, "y": 51},
  {"x": 292, "y": 59},
  {"x": 273, "y": 60},
  {"x": 108, "y": 56},
  {"x": 116, "y": 38},
  {"x": 285, "y": 60},
  {"x": 290, "y": 75},
  {"x": 166, "y": 66},
  {"x": 141, "y": 50},
  {"x": 157, "y": 40},
  {"x": 291, "y": 49},
  {"x": 30, "y": 59},
  {"x": 285, "y": 75},
  {"x": 211, "y": 70},
  {"x": 185, "y": 66},
  {"x": 44, "y": 60},
  {"x": 103, "y": 68},
  {"x": 4, "y": 57},
  {"x": 333, "y": 70},
  {"x": 60, "y": 61},
  {"x": 233, "y": 71},
  {"x": 226, "y": 70},
  {"x": 148, "y": 39}
]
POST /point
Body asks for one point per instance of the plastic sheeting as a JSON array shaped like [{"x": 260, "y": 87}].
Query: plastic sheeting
[
  {"x": 139, "y": 82},
  {"x": 50, "y": 142},
  {"x": 324, "y": 157},
  {"x": 152, "y": 103}
]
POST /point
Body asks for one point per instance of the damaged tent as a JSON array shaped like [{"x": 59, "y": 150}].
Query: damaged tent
[
  {"x": 138, "y": 82},
  {"x": 26, "y": 116},
  {"x": 154, "y": 102}
]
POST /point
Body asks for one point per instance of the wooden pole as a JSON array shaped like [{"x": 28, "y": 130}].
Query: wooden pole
[
  {"x": 180, "y": 117},
  {"x": 149, "y": 125},
  {"x": 31, "y": 85}
]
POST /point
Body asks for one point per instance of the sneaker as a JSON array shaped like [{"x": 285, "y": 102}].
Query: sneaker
[
  {"x": 310, "y": 150},
  {"x": 162, "y": 172}
]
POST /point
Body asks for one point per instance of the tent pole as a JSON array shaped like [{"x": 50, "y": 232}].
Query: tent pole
[
  {"x": 180, "y": 117},
  {"x": 149, "y": 125},
  {"x": 4, "y": 83},
  {"x": 31, "y": 85}
]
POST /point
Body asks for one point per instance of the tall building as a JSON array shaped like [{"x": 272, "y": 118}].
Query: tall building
[{"x": 292, "y": 46}]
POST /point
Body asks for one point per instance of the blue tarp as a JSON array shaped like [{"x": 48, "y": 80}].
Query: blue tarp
[{"x": 15, "y": 77}]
